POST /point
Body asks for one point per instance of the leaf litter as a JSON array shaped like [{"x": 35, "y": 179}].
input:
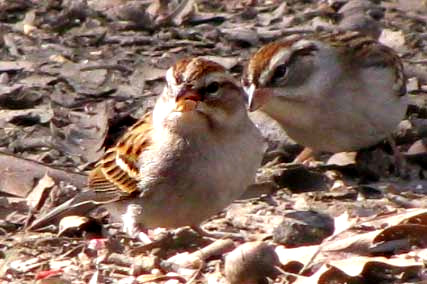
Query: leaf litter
[{"x": 75, "y": 74}]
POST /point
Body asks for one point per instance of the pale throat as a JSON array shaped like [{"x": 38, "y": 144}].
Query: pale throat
[{"x": 289, "y": 113}]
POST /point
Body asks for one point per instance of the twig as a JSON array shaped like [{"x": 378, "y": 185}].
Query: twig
[{"x": 117, "y": 67}]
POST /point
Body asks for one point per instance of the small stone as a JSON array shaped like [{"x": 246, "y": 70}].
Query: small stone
[
  {"x": 251, "y": 263},
  {"x": 412, "y": 84},
  {"x": 303, "y": 228},
  {"x": 4, "y": 78}
]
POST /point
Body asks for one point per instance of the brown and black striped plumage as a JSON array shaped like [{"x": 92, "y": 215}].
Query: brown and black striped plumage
[
  {"x": 331, "y": 91},
  {"x": 190, "y": 70},
  {"x": 353, "y": 47},
  {"x": 118, "y": 171},
  {"x": 188, "y": 159}
]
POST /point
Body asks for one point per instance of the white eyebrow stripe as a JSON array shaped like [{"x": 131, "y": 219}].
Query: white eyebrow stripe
[
  {"x": 281, "y": 57},
  {"x": 219, "y": 77},
  {"x": 302, "y": 44},
  {"x": 169, "y": 76},
  {"x": 171, "y": 80}
]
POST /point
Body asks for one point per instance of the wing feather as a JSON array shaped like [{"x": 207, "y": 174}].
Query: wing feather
[
  {"x": 117, "y": 173},
  {"x": 369, "y": 52}
]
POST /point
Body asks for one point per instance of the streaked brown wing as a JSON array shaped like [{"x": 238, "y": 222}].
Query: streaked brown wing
[
  {"x": 367, "y": 52},
  {"x": 117, "y": 173}
]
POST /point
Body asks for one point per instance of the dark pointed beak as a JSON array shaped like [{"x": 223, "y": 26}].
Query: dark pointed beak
[{"x": 187, "y": 99}]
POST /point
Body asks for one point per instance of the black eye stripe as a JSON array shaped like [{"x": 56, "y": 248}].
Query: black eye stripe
[
  {"x": 212, "y": 88},
  {"x": 279, "y": 72}
]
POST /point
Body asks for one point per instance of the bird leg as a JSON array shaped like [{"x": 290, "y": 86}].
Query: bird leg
[
  {"x": 304, "y": 156},
  {"x": 400, "y": 165}
]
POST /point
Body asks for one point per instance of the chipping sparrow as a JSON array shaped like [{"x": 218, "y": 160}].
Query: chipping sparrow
[
  {"x": 188, "y": 159},
  {"x": 333, "y": 92}
]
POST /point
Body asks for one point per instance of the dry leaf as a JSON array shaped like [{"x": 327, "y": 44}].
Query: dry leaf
[
  {"x": 81, "y": 133},
  {"x": 39, "y": 192},
  {"x": 18, "y": 175},
  {"x": 343, "y": 159},
  {"x": 354, "y": 266},
  {"x": 72, "y": 223},
  {"x": 393, "y": 39}
]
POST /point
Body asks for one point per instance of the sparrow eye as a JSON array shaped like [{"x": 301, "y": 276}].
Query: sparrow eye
[
  {"x": 279, "y": 73},
  {"x": 212, "y": 88}
]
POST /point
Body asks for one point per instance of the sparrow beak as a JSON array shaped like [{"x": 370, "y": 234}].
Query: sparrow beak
[
  {"x": 186, "y": 100},
  {"x": 257, "y": 97}
]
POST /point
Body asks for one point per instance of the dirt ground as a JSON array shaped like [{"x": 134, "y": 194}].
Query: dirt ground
[{"x": 75, "y": 74}]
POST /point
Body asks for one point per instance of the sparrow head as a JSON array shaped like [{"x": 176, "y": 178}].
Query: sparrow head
[
  {"x": 275, "y": 69},
  {"x": 200, "y": 89}
]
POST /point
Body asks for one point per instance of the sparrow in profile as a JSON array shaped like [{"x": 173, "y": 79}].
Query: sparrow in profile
[{"x": 333, "y": 92}]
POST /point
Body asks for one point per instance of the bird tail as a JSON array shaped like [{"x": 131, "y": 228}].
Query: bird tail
[{"x": 81, "y": 204}]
